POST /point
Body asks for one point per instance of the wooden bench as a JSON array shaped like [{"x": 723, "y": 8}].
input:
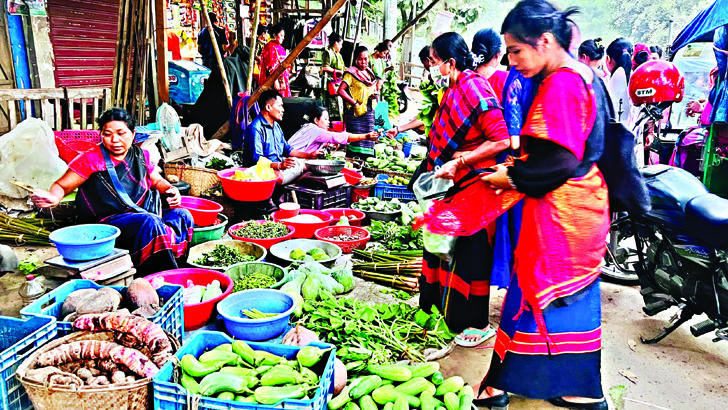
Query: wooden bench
[{"x": 52, "y": 106}]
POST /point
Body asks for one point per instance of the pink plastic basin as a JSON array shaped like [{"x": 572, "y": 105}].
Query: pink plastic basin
[
  {"x": 352, "y": 177},
  {"x": 197, "y": 314},
  {"x": 306, "y": 230},
  {"x": 266, "y": 243},
  {"x": 355, "y": 216},
  {"x": 246, "y": 191},
  {"x": 203, "y": 211}
]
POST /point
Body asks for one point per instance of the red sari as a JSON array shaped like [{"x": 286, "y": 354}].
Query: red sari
[{"x": 272, "y": 56}]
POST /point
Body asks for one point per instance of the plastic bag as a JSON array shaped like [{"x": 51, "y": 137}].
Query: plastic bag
[
  {"x": 427, "y": 189},
  {"x": 28, "y": 154},
  {"x": 260, "y": 172}
]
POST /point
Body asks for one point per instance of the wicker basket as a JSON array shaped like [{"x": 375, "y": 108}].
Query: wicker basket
[
  {"x": 373, "y": 172},
  {"x": 132, "y": 396},
  {"x": 200, "y": 179}
]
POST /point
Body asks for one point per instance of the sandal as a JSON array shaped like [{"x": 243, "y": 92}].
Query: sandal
[{"x": 483, "y": 335}]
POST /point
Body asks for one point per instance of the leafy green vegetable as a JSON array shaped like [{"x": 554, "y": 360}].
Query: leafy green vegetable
[
  {"x": 374, "y": 334},
  {"x": 29, "y": 265},
  {"x": 254, "y": 280},
  {"x": 218, "y": 164},
  {"x": 223, "y": 256},
  {"x": 395, "y": 236}
]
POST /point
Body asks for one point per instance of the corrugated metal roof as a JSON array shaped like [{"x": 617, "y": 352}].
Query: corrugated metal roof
[{"x": 83, "y": 34}]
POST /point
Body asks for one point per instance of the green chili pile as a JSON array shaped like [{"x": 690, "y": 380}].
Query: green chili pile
[{"x": 254, "y": 280}]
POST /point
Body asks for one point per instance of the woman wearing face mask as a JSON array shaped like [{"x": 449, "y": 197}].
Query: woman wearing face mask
[
  {"x": 272, "y": 56},
  {"x": 549, "y": 340},
  {"x": 467, "y": 133},
  {"x": 487, "y": 50},
  {"x": 359, "y": 89}
]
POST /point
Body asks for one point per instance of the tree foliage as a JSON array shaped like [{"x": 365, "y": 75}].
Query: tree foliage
[{"x": 642, "y": 21}]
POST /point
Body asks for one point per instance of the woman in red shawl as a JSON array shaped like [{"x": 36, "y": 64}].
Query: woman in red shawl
[
  {"x": 273, "y": 55},
  {"x": 468, "y": 132},
  {"x": 549, "y": 341}
]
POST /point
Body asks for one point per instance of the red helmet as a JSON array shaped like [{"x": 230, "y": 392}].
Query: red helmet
[{"x": 655, "y": 82}]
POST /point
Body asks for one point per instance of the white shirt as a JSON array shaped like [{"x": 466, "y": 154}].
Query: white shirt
[{"x": 619, "y": 93}]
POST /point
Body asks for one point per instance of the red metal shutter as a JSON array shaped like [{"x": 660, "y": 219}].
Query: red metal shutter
[{"x": 83, "y": 34}]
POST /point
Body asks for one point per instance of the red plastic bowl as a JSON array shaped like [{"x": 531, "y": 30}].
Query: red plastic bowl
[
  {"x": 306, "y": 230},
  {"x": 324, "y": 234},
  {"x": 197, "y": 314},
  {"x": 246, "y": 191},
  {"x": 203, "y": 211},
  {"x": 355, "y": 216},
  {"x": 352, "y": 177},
  {"x": 266, "y": 243}
]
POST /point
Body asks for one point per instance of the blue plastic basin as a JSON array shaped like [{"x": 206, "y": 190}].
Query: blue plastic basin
[
  {"x": 266, "y": 301},
  {"x": 85, "y": 242}
]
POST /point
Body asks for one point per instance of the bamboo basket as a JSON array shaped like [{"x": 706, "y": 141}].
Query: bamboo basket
[
  {"x": 132, "y": 396},
  {"x": 200, "y": 179}
]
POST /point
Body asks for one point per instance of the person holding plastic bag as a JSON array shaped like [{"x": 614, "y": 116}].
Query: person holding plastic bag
[
  {"x": 549, "y": 339},
  {"x": 119, "y": 185},
  {"x": 467, "y": 133}
]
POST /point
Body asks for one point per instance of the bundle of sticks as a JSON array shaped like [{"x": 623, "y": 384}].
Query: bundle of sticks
[
  {"x": 398, "y": 270},
  {"x": 23, "y": 231}
]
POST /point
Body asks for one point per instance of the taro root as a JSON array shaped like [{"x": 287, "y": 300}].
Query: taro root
[
  {"x": 72, "y": 301},
  {"x": 118, "y": 377},
  {"x": 84, "y": 373}
]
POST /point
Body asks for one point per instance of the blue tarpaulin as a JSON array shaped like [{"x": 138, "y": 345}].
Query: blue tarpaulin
[{"x": 703, "y": 24}]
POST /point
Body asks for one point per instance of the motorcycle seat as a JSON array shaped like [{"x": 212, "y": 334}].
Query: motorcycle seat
[{"x": 707, "y": 217}]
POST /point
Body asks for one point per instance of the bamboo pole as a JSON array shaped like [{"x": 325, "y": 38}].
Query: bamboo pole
[
  {"x": 253, "y": 43},
  {"x": 415, "y": 20},
  {"x": 287, "y": 62},
  {"x": 160, "y": 9},
  {"x": 358, "y": 31},
  {"x": 218, "y": 56}
]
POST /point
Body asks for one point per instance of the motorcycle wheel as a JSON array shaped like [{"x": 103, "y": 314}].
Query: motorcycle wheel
[
  {"x": 620, "y": 261},
  {"x": 402, "y": 104}
]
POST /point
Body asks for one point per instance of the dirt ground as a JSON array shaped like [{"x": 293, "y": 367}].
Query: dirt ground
[{"x": 681, "y": 372}]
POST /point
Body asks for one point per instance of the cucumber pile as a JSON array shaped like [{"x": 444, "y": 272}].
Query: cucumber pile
[
  {"x": 236, "y": 372},
  {"x": 401, "y": 387},
  {"x": 389, "y": 159},
  {"x": 374, "y": 204}
]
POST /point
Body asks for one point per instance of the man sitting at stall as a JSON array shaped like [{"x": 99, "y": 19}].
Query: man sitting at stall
[
  {"x": 264, "y": 136},
  {"x": 118, "y": 185}
]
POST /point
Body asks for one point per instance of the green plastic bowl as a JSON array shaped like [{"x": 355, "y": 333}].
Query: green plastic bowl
[
  {"x": 202, "y": 234},
  {"x": 246, "y": 268}
]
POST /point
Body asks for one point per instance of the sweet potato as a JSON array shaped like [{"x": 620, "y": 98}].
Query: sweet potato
[
  {"x": 113, "y": 294},
  {"x": 146, "y": 311},
  {"x": 71, "y": 303},
  {"x": 140, "y": 294},
  {"x": 98, "y": 302},
  {"x": 137, "y": 362},
  {"x": 147, "y": 332}
]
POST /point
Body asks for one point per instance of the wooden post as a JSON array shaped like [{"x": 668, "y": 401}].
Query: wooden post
[
  {"x": 218, "y": 56},
  {"x": 287, "y": 62},
  {"x": 160, "y": 8},
  {"x": 415, "y": 20},
  {"x": 358, "y": 30},
  {"x": 253, "y": 43}
]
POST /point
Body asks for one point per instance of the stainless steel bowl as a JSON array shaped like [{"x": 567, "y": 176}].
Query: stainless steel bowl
[{"x": 325, "y": 167}]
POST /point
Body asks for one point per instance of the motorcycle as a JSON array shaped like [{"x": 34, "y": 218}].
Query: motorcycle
[
  {"x": 402, "y": 98},
  {"x": 682, "y": 251}
]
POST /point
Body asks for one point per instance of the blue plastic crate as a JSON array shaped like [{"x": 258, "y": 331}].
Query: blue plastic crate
[
  {"x": 18, "y": 339},
  {"x": 384, "y": 190},
  {"x": 170, "y": 317},
  {"x": 172, "y": 396}
]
